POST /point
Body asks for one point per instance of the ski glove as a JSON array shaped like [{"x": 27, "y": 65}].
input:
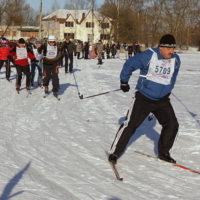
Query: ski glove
[
  {"x": 9, "y": 57},
  {"x": 124, "y": 86},
  {"x": 33, "y": 60}
]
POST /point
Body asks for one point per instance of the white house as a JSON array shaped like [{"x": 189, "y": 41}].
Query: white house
[{"x": 84, "y": 25}]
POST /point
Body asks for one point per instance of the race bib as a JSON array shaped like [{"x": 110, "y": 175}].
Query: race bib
[
  {"x": 51, "y": 52},
  {"x": 160, "y": 71},
  {"x": 21, "y": 53},
  {"x": 37, "y": 55}
]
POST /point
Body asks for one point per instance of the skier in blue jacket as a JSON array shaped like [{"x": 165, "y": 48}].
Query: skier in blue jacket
[{"x": 158, "y": 71}]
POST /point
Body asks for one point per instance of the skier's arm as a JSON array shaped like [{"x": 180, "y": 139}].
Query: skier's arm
[
  {"x": 177, "y": 67},
  {"x": 129, "y": 67}
]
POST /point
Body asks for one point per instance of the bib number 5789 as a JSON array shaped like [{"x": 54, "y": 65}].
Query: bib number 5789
[{"x": 162, "y": 70}]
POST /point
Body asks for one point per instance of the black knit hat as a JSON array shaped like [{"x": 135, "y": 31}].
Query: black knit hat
[
  {"x": 167, "y": 41},
  {"x": 21, "y": 41}
]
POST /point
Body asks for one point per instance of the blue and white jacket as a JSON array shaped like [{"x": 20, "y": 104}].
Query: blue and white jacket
[{"x": 157, "y": 75}]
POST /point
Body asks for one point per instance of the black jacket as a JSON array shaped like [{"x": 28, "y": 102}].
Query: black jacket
[{"x": 69, "y": 47}]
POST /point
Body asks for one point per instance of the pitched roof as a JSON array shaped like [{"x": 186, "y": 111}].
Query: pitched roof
[{"x": 78, "y": 15}]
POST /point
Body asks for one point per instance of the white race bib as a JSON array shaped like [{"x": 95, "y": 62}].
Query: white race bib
[
  {"x": 37, "y": 55},
  {"x": 51, "y": 52},
  {"x": 21, "y": 53},
  {"x": 160, "y": 71}
]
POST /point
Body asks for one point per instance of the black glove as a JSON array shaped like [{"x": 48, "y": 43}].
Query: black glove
[
  {"x": 124, "y": 86},
  {"x": 9, "y": 57},
  {"x": 33, "y": 60}
]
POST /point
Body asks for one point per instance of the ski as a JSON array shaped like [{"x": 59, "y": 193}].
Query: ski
[
  {"x": 113, "y": 166},
  {"x": 29, "y": 92},
  {"x": 192, "y": 70},
  {"x": 56, "y": 96},
  {"x": 173, "y": 164},
  {"x": 46, "y": 95},
  {"x": 8, "y": 80}
]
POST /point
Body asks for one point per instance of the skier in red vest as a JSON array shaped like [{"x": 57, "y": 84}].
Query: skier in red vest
[
  {"x": 21, "y": 53},
  {"x": 4, "y": 51}
]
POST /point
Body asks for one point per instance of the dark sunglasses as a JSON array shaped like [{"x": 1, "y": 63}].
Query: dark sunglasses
[{"x": 51, "y": 41}]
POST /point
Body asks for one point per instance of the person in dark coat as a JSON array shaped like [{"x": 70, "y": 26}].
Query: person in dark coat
[
  {"x": 51, "y": 55},
  {"x": 107, "y": 48},
  {"x": 114, "y": 50},
  {"x": 136, "y": 48},
  {"x": 69, "y": 48},
  {"x": 130, "y": 50},
  {"x": 86, "y": 50}
]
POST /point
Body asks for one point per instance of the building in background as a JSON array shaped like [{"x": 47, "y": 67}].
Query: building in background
[
  {"x": 84, "y": 25},
  {"x": 16, "y": 32}
]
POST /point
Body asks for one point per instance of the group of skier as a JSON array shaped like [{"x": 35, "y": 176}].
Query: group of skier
[
  {"x": 158, "y": 72},
  {"x": 45, "y": 57}
]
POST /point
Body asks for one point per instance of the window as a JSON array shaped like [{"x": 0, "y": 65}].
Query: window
[
  {"x": 7, "y": 33},
  {"x": 25, "y": 34},
  {"x": 14, "y": 33},
  {"x": 69, "y": 24},
  {"x": 71, "y": 35},
  {"x": 89, "y": 24},
  {"x": 1, "y": 32},
  {"x": 104, "y": 25},
  {"x": 90, "y": 37},
  {"x": 105, "y": 37}
]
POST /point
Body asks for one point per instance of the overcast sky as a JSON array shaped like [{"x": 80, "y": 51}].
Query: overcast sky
[{"x": 48, "y": 3}]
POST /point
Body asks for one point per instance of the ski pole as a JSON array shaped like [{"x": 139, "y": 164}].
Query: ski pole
[
  {"x": 76, "y": 62},
  {"x": 80, "y": 96},
  {"x": 100, "y": 94}
]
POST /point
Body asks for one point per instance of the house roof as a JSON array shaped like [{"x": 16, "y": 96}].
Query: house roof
[{"x": 78, "y": 15}]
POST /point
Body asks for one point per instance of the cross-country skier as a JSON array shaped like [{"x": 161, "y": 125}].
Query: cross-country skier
[
  {"x": 51, "y": 56},
  {"x": 4, "y": 52},
  {"x": 21, "y": 53},
  {"x": 38, "y": 64},
  {"x": 158, "y": 72}
]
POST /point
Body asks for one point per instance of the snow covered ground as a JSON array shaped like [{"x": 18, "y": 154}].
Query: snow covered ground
[{"x": 55, "y": 150}]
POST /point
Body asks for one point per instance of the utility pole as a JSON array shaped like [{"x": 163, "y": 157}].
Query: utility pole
[
  {"x": 118, "y": 7},
  {"x": 92, "y": 2},
  {"x": 75, "y": 10},
  {"x": 92, "y": 5},
  {"x": 40, "y": 22}
]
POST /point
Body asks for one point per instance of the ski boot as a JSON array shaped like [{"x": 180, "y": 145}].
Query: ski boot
[
  {"x": 46, "y": 90},
  {"x": 166, "y": 157},
  {"x": 112, "y": 158},
  {"x": 39, "y": 84}
]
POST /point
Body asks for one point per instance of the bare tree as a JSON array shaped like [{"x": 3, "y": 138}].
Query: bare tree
[
  {"x": 146, "y": 20},
  {"x": 80, "y": 5},
  {"x": 4, "y": 6},
  {"x": 55, "y": 6}
]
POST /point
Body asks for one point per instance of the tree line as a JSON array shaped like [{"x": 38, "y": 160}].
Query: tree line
[{"x": 145, "y": 21}]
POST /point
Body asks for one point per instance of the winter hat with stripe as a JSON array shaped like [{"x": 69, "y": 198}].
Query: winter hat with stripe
[{"x": 167, "y": 41}]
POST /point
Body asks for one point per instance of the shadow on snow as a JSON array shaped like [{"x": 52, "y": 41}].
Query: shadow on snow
[
  {"x": 6, "y": 194},
  {"x": 146, "y": 128}
]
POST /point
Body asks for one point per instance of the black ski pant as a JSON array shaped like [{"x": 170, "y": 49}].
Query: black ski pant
[
  {"x": 78, "y": 54},
  {"x": 51, "y": 72},
  {"x": 61, "y": 61},
  {"x": 139, "y": 110},
  {"x": 68, "y": 57},
  {"x": 7, "y": 62},
  {"x": 26, "y": 71}
]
